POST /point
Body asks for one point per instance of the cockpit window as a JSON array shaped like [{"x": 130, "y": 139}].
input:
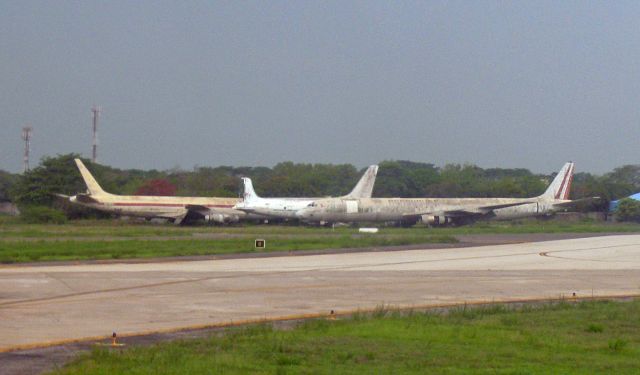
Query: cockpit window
[{"x": 312, "y": 204}]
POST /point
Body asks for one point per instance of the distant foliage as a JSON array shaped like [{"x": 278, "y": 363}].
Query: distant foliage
[
  {"x": 53, "y": 175},
  {"x": 608, "y": 189},
  {"x": 158, "y": 186},
  {"x": 7, "y": 183},
  {"x": 41, "y": 215},
  {"x": 411, "y": 179},
  {"x": 628, "y": 210},
  {"x": 626, "y": 175},
  {"x": 406, "y": 179}
]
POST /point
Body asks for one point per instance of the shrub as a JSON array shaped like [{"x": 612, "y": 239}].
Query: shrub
[
  {"x": 617, "y": 345},
  {"x": 41, "y": 215},
  {"x": 595, "y": 328}
]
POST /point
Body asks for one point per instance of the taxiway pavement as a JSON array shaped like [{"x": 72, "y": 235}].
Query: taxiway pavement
[{"x": 42, "y": 304}]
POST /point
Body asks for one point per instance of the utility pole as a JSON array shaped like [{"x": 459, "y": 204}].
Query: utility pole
[
  {"x": 96, "y": 113},
  {"x": 26, "y": 137}
]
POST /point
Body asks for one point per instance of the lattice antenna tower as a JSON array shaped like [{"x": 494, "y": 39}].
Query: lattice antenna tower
[
  {"x": 96, "y": 114},
  {"x": 26, "y": 137}
]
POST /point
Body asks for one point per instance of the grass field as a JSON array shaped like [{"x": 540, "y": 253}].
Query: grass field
[
  {"x": 115, "y": 239},
  {"x": 587, "y": 337},
  {"x": 12, "y": 228},
  {"x": 84, "y": 240},
  {"x": 29, "y": 251}
]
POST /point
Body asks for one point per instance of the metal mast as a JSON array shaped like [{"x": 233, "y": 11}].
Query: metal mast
[
  {"x": 26, "y": 137},
  {"x": 96, "y": 113}
]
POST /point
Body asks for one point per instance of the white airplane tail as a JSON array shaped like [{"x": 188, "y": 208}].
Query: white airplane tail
[
  {"x": 364, "y": 187},
  {"x": 92, "y": 185},
  {"x": 249, "y": 194},
  {"x": 561, "y": 185}
]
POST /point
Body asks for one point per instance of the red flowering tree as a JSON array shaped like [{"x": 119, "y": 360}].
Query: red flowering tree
[{"x": 158, "y": 186}]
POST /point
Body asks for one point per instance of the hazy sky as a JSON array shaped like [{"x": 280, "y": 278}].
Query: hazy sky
[{"x": 506, "y": 84}]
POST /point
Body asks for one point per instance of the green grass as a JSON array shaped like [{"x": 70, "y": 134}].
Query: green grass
[
  {"x": 547, "y": 339},
  {"x": 11, "y": 228},
  {"x": 41, "y": 250}
]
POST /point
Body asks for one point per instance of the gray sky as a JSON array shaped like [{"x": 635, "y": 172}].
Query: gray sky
[{"x": 506, "y": 84}]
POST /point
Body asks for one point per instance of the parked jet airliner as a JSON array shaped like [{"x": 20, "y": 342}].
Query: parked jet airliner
[
  {"x": 218, "y": 210},
  {"x": 440, "y": 211},
  {"x": 286, "y": 208}
]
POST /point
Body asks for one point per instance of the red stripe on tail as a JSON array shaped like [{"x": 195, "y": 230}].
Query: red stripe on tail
[
  {"x": 566, "y": 193},
  {"x": 564, "y": 181}
]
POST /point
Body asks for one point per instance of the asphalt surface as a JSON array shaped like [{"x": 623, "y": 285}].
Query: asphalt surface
[{"x": 44, "y": 308}]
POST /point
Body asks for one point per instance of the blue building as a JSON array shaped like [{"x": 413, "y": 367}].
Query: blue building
[{"x": 613, "y": 205}]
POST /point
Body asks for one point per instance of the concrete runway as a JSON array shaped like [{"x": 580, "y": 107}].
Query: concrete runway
[{"x": 41, "y": 305}]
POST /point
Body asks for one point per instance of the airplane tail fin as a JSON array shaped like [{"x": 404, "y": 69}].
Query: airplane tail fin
[
  {"x": 364, "y": 187},
  {"x": 561, "y": 185},
  {"x": 249, "y": 194},
  {"x": 92, "y": 185}
]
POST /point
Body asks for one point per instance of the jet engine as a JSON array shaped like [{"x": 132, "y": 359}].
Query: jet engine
[
  {"x": 221, "y": 218},
  {"x": 436, "y": 220}
]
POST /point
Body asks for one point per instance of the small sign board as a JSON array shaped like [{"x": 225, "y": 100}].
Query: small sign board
[
  {"x": 261, "y": 244},
  {"x": 368, "y": 230}
]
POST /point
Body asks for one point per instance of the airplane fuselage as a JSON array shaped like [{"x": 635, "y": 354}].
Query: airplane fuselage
[
  {"x": 436, "y": 211},
  {"x": 280, "y": 208},
  {"x": 424, "y": 209},
  {"x": 157, "y": 206},
  {"x": 219, "y": 210}
]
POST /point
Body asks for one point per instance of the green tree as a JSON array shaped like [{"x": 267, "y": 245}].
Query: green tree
[
  {"x": 586, "y": 185},
  {"x": 628, "y": 210},
  {"x": 627, "y": 175},
  {"x": 7, "y": 181},
  {"x": 158, "y": 186},
  {"x": 405, "y": 179},
  {"x": 54, "y": 175},
  {"x": 459, "y": 181}
]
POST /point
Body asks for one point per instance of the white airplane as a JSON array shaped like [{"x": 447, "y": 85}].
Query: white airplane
[
  {"x": 286, "y": 208},
  {"x": 442, "y": 211},
  {"x": 176, "y": 209}
]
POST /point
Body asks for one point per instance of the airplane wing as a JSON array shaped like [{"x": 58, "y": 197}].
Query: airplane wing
[
  {"x": 202, "y": 210},
  {"x": 483, "y": 210},
  {"x": 248, "y": 210},
  {"x": 468, "y": 210}
]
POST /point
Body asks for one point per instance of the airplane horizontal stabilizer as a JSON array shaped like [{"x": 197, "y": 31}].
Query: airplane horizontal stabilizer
[
  {"x": 577, "y": 201},
  {"x": 85, "y": 198}
]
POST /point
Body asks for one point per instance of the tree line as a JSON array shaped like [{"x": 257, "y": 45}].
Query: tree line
[{"x": 395, "y": 179}]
